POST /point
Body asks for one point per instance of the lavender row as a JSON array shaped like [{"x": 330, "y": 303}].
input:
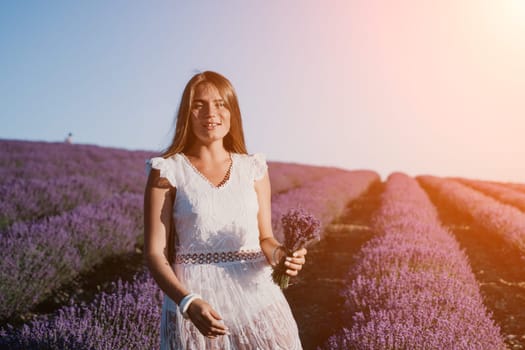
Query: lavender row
[
  {"x": 124, "y": 175},
  {"x": 324, "y": 198},
  {"x": 33, "y": 199},
  {"x": 502, "y": 193},
  {"x": 514, "y": 185},
  {"x": 12, "y": 151},
  {"x": 412, "y": 286},
  {"x": 80, "y": 164},
  {"x": 502, "y": 219},
  {"x": 285, "y": 176},
  {"x": 44, "y": 161},
  {"x": 41, "y": 256},
  {"x": 126, "y": 318}
]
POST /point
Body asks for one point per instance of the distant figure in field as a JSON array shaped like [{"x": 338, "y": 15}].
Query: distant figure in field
[
  {"x": 69, "y": 138},
  {"x": 208, "y": 239}
]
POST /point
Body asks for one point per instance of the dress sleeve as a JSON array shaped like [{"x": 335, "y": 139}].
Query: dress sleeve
[
  {"x": 259, "y": 165},
  {"x": 165, "y": 166}
]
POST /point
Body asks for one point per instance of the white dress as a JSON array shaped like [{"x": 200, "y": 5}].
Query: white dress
[{"x": 219, "y": 257}]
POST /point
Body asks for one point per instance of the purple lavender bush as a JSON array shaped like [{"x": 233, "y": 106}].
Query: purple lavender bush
[
  {"x": 120, "y": 169},
  {"x": 300, "y": 228},
  {"x": 41, "y": 256},
  {"x": 515, "y": 186},
  {"x": 33, "y": 199},
  {"x": 286, "y": 176},
  {"x": 502, "y": 193},
  {"x": 64, "y": 209},
  {"x": 503, "y": 219},
  {"x": 126, "y": 318},
  {"x": 411, "y": 286}
]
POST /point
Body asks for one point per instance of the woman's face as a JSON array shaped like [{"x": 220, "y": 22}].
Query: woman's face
[{"x": 210, "y": 119}]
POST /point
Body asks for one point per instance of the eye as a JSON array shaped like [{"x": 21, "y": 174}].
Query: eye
[
  {"x": 197, "y": 105},
  {"x": 221, "y": 104}
]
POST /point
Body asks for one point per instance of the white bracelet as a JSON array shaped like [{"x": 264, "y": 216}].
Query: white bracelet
[{"x": 185, "y": 303}]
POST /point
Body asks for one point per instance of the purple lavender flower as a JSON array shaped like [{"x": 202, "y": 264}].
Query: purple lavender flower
[{"x": 300, "y": 228}]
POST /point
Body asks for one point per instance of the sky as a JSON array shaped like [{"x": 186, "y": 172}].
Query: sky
[{"x": 415, "y": 86}]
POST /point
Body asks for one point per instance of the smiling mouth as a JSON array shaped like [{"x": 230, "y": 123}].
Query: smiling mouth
[{"x": 211, "y": 125}]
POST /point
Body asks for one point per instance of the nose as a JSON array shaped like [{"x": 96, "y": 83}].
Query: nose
[{"x": 209, "y": 110}]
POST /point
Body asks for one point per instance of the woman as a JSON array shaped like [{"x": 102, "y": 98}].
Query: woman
[{"x": 208, "y": 200}]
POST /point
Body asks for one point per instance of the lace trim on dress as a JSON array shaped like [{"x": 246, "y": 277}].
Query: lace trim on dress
[
  {"x": 259, "y": 165},
  {"x": 224, "y": 181},
  {"x": 219, "y": 257}
]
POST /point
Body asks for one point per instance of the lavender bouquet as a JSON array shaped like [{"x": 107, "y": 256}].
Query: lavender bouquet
[{"x": 300, "y": 228}]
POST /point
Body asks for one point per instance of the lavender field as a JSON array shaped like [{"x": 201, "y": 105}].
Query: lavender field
[{"x": 405, "y": 262}]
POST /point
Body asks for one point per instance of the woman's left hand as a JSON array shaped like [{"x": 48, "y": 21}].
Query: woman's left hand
[{"x": 295, "y": 264}]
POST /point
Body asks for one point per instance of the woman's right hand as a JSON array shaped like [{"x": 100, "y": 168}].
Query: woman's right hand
[{"x": 206, "y": 319}]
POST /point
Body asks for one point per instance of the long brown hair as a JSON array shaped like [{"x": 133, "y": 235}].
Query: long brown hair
[{"x": 184, "y": 137}]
